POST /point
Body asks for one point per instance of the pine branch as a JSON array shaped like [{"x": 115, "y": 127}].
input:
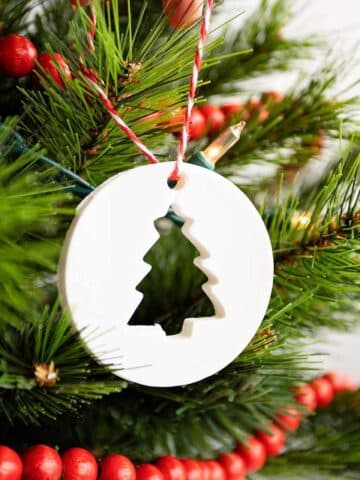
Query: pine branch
[
  {"x": 71, "y": 123},
  {"x": 261, "y": 36},
  {"x": 324, "y": 448},
  {"x": 46, "y": 371},
  {"x": 287, "y": 137},
  {"x": 317, "y": 251},
  {"x": 32, "y": 218}
]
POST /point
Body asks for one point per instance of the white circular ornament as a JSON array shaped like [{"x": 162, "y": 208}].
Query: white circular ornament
[{"x": 102, "y": 264}]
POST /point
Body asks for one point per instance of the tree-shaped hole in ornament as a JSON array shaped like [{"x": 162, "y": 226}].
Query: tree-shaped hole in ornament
[{"x": 173, "y": 288}]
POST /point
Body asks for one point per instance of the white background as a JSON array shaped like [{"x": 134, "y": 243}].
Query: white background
[{"x": 339, "y": 22}]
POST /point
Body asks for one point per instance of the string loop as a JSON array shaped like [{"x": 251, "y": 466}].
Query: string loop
[{"x": 184, "y": 136}]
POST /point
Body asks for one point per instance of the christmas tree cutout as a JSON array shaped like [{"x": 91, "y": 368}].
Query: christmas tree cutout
[{"x": 174, "y": 283}]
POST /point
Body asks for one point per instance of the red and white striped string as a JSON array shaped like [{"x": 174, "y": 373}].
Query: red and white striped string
[
  {"x": 184, "y": 136},
  {"x": 92, "y": 29}
]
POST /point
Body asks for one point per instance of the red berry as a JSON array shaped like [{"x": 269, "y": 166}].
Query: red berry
[
  {"x": 146, "y": 471},
  {"x": 340, "y": 382},
  {"x": 10, "y": 464},
  {"x": 323, "y": 390},
  {"x": 214, "y": 117},
  {"x": 193, "y": 469},
  {"x": 233, "y": 465},
  {"x": 232, "y": 110},
  {"x": 306, "y": 396},
  {"x": 253, "y": 453},
  {"x": 288, "y": 419},
  {"x": 52, "y": 64},
  {"x": 79, "y": 464},
  {"x": 117, "y": 467},
  {"x": 17, "y": 55},
  {"x": 182, "y": 13},
  {"x": 216, "y": 470},
  {"x": 41, "y": 462},
  {"x": 171, "y": 468},
  {"x": 197, "y": 125},
  {"x": 274, "y": 441}
]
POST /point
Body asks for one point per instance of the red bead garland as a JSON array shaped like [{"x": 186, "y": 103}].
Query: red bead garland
[
  {"x": 253, "y": 453},
  {"x": 306, "y": 396},
  {"x": 197, "y": 127},
  {"x": 274, "y": 441},
  {"x": 216, "y": 470},
  {"x": 214, "y": 117},
  {"x": 340, "y": 382},
  {"x": 118, "y": 467},
  {"x": 146, "y": 471},
  {"x": 42, "y": 462},
  {"x": 193, "y": 469},
  {"x": 54, "y": 65},
  {"x": 171, "y": 468},
  {"x": 288, "y": 419},
  {"x": 17, "y": 56},
  {"x": 11, "y": 466},
  {"x": 182, "y": 14},
  {"x": 234, "y": 466},
  {"x": 79, "y": 464},
  {"x": 324, "y": 391}
]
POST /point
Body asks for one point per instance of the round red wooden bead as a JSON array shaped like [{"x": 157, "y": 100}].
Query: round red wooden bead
[
  {"x": 117, "y": 467},
  {"x": 214, "y": 118},
  {"x": 288, "y": 419},
  {"x": 182, "y": 14},
  {"x": 216, "y": 470},
  {"x": 323, "y": 390},
  {"x": 146, "y": 471},
  {"x": 10, "y": 464},
  {"x": 253, "y": 453},
  {"x": 171, "y": 468},
  {"x": 340, "y": 382},
  {"x": 231, "y": 110},
  {"x": 193, "y": 469},
  {"x": 197, "y": 127},
  {"x": 17, "y": 55},
  {"x": 273, "y": 442},
  {"x": 206, "y": 471},
  {"x": 305, "y": 395},
  {"x": 41, "y": 462},
  {"x": 79, "y": 464},
  {"x": 234, "y": 466},
  {"x": 53, "y": 64}
]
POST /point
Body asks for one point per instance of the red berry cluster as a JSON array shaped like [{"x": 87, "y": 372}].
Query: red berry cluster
[
  {"x": 19, "y": 58},
  {"x": 44, "y": 463}
]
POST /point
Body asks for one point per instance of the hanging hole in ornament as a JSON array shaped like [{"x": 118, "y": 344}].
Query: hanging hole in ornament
[
  {"x": 174, "y": 284},
  {"x": 176, "y": 180}
]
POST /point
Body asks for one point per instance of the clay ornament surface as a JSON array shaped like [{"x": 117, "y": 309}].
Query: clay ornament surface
[{"x": 102, "y": 264}]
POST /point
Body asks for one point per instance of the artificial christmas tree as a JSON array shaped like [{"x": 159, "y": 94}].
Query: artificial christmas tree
[{"x": 111, "y": 64}]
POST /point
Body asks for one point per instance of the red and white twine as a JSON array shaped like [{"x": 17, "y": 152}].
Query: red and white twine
[
  {"x": 92, "y": 29},
  {"x": 184, "y": 136}
]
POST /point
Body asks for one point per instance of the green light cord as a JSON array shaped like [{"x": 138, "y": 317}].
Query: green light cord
[{"x": 82, "y": 188}]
